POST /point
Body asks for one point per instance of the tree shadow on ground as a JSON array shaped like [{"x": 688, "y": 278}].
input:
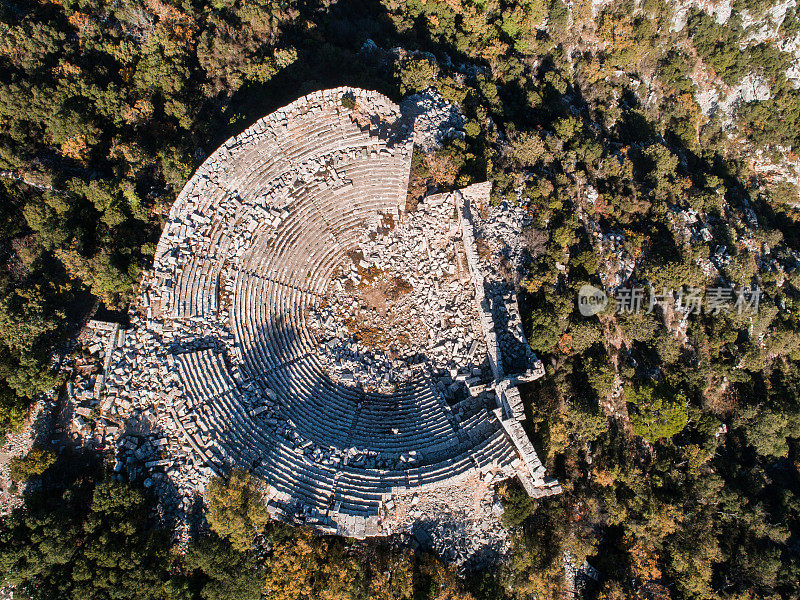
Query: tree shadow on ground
[{"x": 331, "y": 53}]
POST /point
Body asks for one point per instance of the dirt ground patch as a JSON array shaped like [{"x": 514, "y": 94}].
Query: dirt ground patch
[{"x": 382, "y": 322}]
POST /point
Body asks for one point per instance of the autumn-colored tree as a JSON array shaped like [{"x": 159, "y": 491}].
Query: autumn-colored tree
[
  {"x": 305, "y": 565},
  {"x": 528, "y": 149}
]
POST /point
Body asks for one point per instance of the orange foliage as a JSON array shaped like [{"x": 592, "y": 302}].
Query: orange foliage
[
  {"x": 177, "y": 24},
  {"x": 595, "y": 71},
  {"x": 76, "y": 148},
  {"x": 616, "y": 30},
  {"x": 644, "y": 560},
  {"x": 565, "y": 343},
  {"x": 127, "y": 73},
  {"x": 600, "y": 206},
  {"x": 603, "y": 478},
  {"x": 308, "y": 565},
  {"x": 532, "y": 284},
  {"x": 442, "y": 169},
  {"x": 66, "y": 68},
  {"x": 81, "y": 22},
  {"x": 140, "y": 111},
  {"x": 455, "y": 5},
  {"x": 164, "y": 11}
]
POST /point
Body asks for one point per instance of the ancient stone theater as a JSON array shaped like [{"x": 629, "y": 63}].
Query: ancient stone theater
[{"x": 301, "y": 322}]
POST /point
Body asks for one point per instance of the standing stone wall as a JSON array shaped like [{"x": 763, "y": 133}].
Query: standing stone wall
[
  {"x": 476, "y": 271},
  {"x": 510, "y": 411}
]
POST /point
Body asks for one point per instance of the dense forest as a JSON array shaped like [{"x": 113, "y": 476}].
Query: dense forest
[{"x": 674, "y": 436}]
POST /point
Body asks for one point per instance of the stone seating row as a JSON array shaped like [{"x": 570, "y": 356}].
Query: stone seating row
[
  {"x": 301, "y": 223},
  {"x": 234, "y": 437},
  {"x": 379, "y": 205},
  {"x": 311, "y": 404},
  {"x": 358, "y": 492},
  {"x": 190, "y": 188},
  {"x": 275, "y": 348},
  {"x": 414, "y": 422},
  {"x": 333, "y": 176}
]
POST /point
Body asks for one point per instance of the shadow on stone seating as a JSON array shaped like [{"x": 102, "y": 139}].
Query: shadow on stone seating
[{"x": 332, "y": 413}]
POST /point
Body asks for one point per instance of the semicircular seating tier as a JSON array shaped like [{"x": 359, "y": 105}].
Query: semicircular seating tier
[{"x": 251, "y": 243}]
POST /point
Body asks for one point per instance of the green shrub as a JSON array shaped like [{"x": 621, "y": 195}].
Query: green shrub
[
  {"x": 236, "y": 508},
  {"x": 33, "y": 464},
  {"x": 517, "y": 505},
  {"x": 656, "y": 412},
  {"x": 416, "y": 74}
]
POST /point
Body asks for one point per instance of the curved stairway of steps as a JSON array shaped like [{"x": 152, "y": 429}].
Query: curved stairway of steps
[{"x": 251, "y": 244}]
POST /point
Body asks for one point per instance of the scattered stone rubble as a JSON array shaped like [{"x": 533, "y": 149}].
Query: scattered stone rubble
[
  {"x": 17, "y": 445},
  {"x": 435, "y": 120},
  {"x": 239, "y": 345},
  {"x": 410, "y": 291},
  {"x": 498, "y": 229},
  {"x": 98, "y": 340},
  {"x": 467, "y": 530}
]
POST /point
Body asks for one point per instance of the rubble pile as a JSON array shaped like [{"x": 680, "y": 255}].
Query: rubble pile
[
  {"x": 408, "y": 292},
  {"x": 435, "y": 119},
  {"x": 498, "y": 229},
  {"x": 97, "y": 343},
  {"x": 467, "y": 530}
]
